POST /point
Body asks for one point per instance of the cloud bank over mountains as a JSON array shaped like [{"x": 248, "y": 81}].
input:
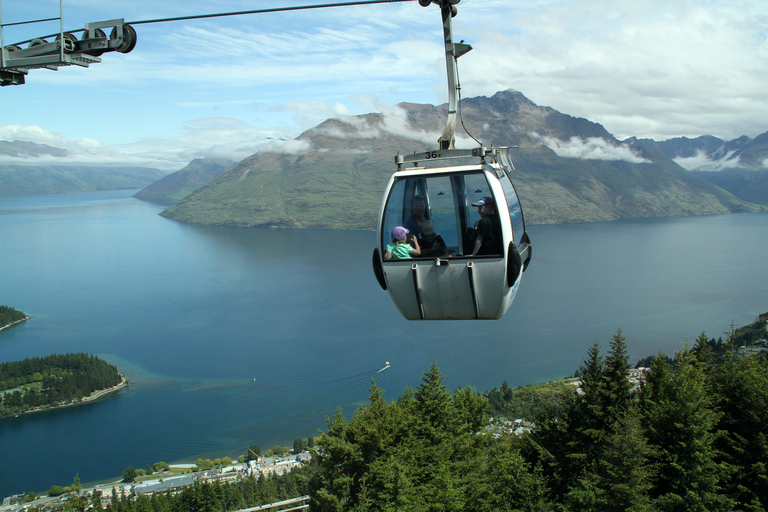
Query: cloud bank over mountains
[
  {"x": 704, "y": 162},
  {"x": 593, "y": 148},
  {"x": 223, "y": 137},
  {"x": 201, "y": 138}
]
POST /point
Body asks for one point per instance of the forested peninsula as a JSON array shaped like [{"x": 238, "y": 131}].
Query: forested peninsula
[
  {"x": 10, "y": 316},
  {"x": 57, "y": 380}
]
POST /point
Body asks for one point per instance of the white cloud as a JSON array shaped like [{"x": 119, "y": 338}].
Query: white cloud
[
  {"x": 701, "y": 162},
  {"x": 393, "y": 120},
  {"x": 200, "y": 138},
  {"x": 642, "y": 68},
  {"x": 40, "y": 135},
  {"x": 290, "y": 147},
  {"x": 594, "y": 148}
]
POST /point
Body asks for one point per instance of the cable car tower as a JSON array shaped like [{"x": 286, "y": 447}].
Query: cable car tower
[
  {"x": 474, "y": 270},
  {"x": 63, "y": 49}
]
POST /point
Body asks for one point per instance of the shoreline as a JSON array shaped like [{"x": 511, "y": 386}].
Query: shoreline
[
  {"x": 96, "y": 395},
  {"x": 16, "y": 322}
]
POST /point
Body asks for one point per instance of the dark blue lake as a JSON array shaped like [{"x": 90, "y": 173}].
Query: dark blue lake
[{"x": 237, "y": 336}]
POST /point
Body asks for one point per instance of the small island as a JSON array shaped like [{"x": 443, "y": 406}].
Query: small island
[
  {"x": 10, "y": 316},
  {"x": 41, "y": 383}
]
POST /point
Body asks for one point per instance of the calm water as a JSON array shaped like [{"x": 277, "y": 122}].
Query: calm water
[{"x": 237, "y": 336}]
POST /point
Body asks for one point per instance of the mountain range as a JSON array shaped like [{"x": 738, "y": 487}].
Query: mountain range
[
  {"x": 568, "y": 170},
  {"x": 709, "y": 153},
  {"x": 740, "y": 166}
]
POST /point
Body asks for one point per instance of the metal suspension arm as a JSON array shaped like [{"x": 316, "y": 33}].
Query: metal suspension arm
[{"x": 452, "y": 52}]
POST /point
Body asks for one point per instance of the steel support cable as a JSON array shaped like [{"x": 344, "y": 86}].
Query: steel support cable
[
  {"x": 237, "y": 13},
  {"x": 262, "y": 11},
  {"x": 458, "y": 91}
]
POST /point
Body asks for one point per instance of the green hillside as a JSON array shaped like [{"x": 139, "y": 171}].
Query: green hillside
[
  {"x": 176, "y": 186},
  {"x": 744, "y": 183}
]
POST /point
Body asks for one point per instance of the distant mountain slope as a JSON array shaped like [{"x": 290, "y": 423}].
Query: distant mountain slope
[
  {"x": 20, "y": 148},
  {"x": 569, "y": 170},
  {"x": 708, "y": 153},
  {"x": 18, "y": 180},
  {"x": 754, "y": 155},
  {"x": 748, "y": 185},
  {"x": 683, "y": 147},
  {"x": 178, "y": 185},
  {"x": 739, "y": 166}
]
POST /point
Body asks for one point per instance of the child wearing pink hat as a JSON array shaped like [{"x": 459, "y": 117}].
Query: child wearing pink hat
[{"x": 400, "y": 248}]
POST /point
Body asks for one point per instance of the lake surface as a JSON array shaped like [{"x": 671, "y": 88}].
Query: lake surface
[{"x": 235, "y": 336}]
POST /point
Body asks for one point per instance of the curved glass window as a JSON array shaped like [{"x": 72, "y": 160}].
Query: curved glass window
[
  {"x": 515, "y": 210},
  {"x": 437, "y": 210}
]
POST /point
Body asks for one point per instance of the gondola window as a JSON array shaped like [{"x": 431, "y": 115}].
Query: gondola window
[{"x": 448, "y": 204}]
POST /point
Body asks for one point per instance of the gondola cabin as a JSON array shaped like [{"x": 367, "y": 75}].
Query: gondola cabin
[{"x": 454, "y": 276}]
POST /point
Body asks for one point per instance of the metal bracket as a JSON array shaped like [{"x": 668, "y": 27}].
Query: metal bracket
[{"x": 62, "y": 49}]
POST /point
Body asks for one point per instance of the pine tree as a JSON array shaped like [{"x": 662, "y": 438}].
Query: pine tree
[
  {"x": 617, "y": 390},
  {"x": 586, "y": 418},
  {"x": 507, "y": 482},
  {"x": 680, "y": 419},
  {"x": 624, "y": 475},
  {"x": 741, "y": 386}
]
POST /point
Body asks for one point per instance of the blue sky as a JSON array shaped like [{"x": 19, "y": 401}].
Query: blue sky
[{"x": 231, "y": 86}]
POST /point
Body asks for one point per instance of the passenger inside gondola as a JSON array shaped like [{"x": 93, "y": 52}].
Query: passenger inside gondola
[
  {"x": 487, "y": 230},
  {"x": 417, "y": 217},
  {"x": 432, "y": 244},
  {"x": 403, "y": 246}
]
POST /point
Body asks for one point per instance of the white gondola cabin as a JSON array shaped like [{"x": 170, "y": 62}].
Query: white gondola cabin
[{"x": 448, "y": 281}]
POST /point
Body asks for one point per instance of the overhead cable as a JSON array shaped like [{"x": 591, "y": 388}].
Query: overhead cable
[
  {"x": 262, "y": 11},
  {"x": 237, "y": 13}
]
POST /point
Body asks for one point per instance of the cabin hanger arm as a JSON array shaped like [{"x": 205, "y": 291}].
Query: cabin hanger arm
[{"x": 452, "y": 52}]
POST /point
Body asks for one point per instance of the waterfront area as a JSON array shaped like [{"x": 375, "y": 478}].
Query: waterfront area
[{"x": 172, "y": 479}]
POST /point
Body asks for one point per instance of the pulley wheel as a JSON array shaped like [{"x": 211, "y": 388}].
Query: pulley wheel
[{"x": 129, "y": 39}]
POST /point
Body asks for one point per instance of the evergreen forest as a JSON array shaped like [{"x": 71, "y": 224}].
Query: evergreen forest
[
  {"x": 52, "y": 381},
  {"x": 8, "y": 315},
  {"x": 690, "y": 438}
]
